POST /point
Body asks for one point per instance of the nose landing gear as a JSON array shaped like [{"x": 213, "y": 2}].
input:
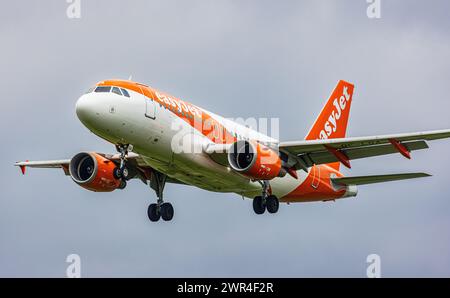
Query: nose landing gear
[{"x": 122, "y": 172}]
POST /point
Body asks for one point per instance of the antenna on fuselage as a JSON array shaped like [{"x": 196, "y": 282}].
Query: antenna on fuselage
[{"x": 130, "y": 77}]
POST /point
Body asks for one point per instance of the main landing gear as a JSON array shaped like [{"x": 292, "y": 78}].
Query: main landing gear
[
  {"x": 157, "y": 182},
  {"x": 265, "y": 201},
  {"x": 160, "y": 209}
]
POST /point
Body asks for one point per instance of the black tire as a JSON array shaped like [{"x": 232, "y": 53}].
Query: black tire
[
  {"x": 167, "y": 211},
  {"x": 122, "y": 184},
  {"x": 117, "y": 173},
  {"x": 258, "y": 205},
  {"x": 272, "y": 204},
  {"x": 125, "y": 172},
  {"x": 153, "y": 213}
]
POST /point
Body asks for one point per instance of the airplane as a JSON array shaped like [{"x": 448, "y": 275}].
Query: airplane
[{"x": 222, "y": 155}]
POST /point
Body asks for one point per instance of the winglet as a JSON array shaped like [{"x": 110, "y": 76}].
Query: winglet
[{"x": 23, "y": 168}]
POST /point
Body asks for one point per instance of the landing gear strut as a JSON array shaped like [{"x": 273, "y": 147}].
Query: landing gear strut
[
  {"x": 266, "y": 200},
  {"x": 159, "y": 209},
  {"x": 122, "y": 172}
]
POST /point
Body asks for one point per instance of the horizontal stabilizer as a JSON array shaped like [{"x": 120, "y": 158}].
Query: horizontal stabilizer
[{"x": 361, "y": 180}]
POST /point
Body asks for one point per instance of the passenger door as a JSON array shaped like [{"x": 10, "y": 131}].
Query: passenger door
[{"x": 150, "y": 108}]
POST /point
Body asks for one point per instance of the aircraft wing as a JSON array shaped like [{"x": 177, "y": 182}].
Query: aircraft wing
[
  {"x": 362, "y": 180},
  {"x": 343, "y": 150},
  {"x": 133, "y": 159},
  {"x": 44, "y": 164},
  {"x": 64, "y": 163}
]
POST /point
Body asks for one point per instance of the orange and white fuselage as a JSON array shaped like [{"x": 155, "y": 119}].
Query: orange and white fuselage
[{"x": 153, "y": 121}]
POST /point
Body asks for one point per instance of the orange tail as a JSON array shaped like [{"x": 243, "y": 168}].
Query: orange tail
[{"x": 332, "y": 121}]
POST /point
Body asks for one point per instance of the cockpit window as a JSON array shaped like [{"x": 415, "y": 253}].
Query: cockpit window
[
  {"x": 113, "y": 89},
  {"x": 103, "y": 89},
  {"x": 116, "y": 90},
  {"x": 125, "y": 92}
]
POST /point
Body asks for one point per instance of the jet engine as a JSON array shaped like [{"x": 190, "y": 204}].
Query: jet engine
[
  {"x": 255, "y": 160},
  {"x": 94, "y": 172}
]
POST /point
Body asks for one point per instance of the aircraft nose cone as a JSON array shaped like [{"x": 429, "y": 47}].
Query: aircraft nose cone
[{"x": 85, "y": 109}]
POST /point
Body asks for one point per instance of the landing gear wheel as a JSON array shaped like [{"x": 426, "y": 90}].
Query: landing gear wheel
[
  {"x": 122, "y": 184},
  {"x": 117, "y": 173},
  {"x": 164, "y": 210},
  {"x": 272, "y": 204},
  {"x": 258, "y": 205},
  {"x": 153, "y": 212},
  {"x": 125, "y": 172},
  {"x": 121, "y": 173},
  {"x": 167, "y": 211}
]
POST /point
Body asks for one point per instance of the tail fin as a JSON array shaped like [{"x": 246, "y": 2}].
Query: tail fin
[{"x": 333, "y": 119}]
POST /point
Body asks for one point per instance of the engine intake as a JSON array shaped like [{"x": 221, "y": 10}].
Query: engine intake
[
  {"x": 93, "y": 172},
  {"x": 255, "y": 160}
]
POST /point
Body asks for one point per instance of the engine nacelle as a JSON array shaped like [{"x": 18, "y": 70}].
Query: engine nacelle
[
  {"x": 255, "y": 160},
  {"x": 93, "y": 172}
]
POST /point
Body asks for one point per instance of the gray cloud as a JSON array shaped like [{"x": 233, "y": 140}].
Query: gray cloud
[{"x": 240, "y": 59}]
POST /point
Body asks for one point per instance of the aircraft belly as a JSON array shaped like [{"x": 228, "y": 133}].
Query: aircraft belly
[{"x": 200, "y": 171}]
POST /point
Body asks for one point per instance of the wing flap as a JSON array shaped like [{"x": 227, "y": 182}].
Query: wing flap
[{"x": 363, "y": 180}]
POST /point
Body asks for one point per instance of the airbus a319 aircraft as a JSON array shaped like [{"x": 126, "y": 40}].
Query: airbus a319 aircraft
[{"x": 226, "y": 156}]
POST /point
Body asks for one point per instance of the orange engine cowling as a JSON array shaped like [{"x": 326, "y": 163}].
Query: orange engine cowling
[
  {"x": 255, "y": 160},
  {"x": 93, "y": 172}
]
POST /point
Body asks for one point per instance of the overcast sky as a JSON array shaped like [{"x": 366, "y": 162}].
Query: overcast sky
[{"x": 238, "y": 59}]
